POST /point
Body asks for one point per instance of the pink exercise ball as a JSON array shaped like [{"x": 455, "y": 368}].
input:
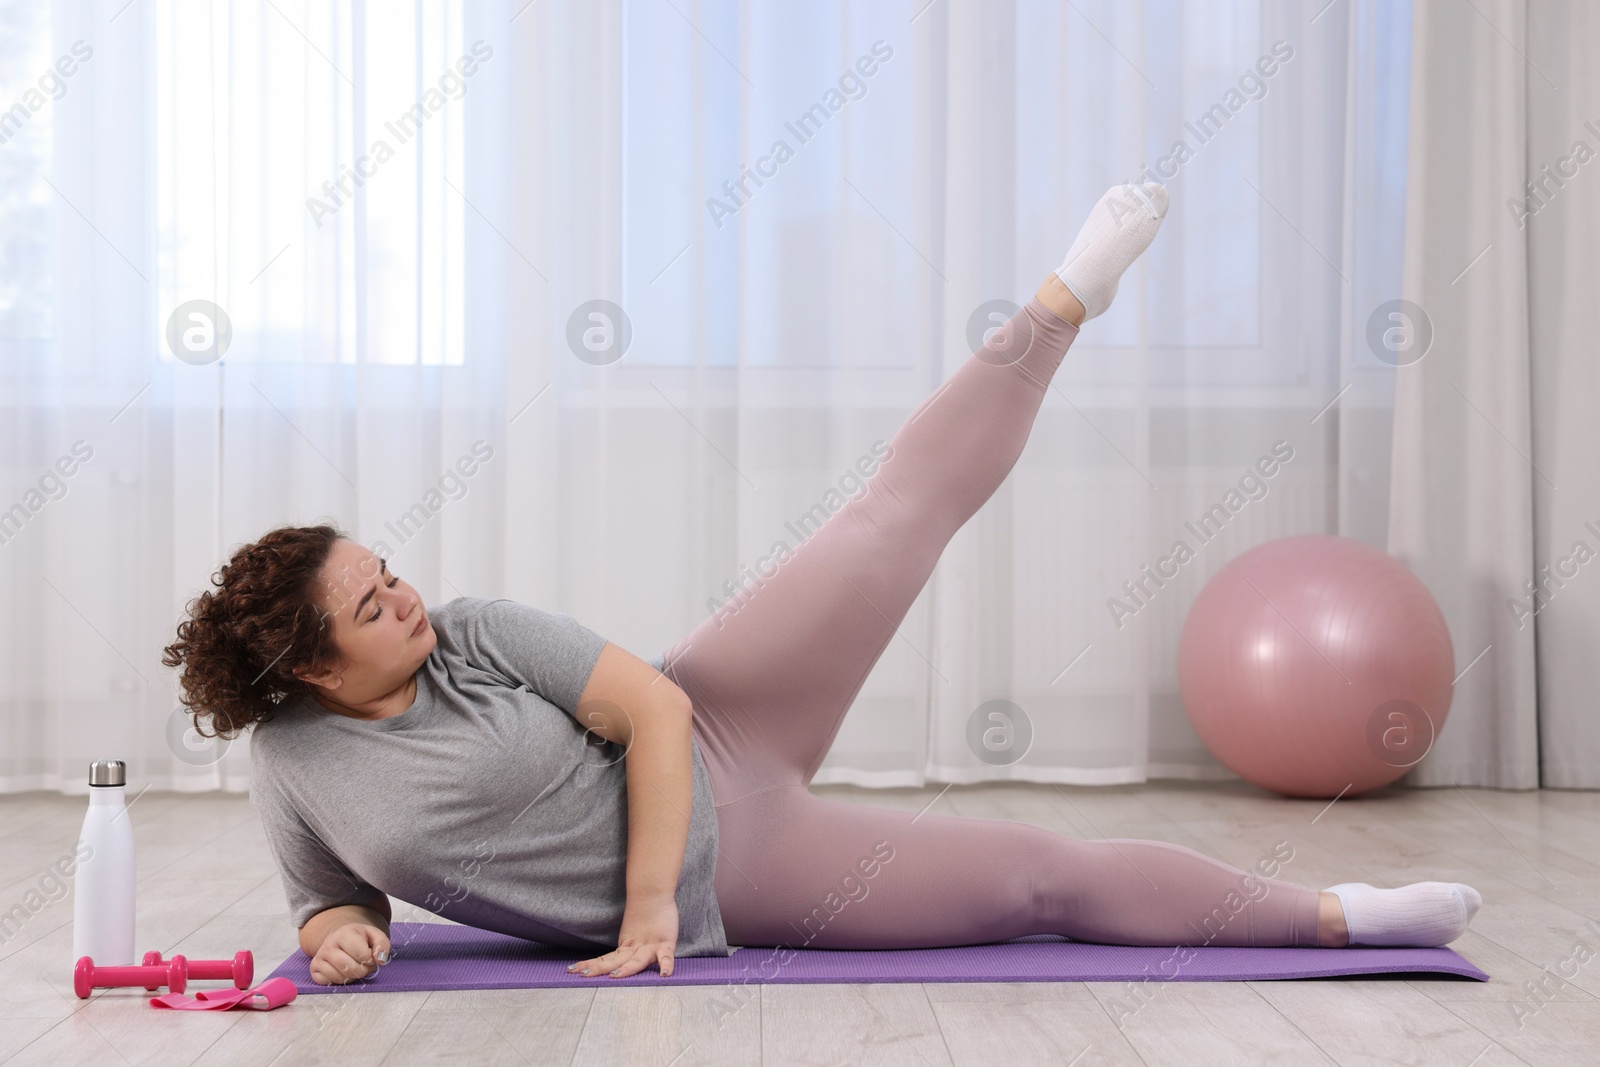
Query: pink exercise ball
[{"x": 1315, "y": 666}]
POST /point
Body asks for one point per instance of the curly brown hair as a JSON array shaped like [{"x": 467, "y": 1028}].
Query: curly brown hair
[{"x": 243, "y": 640}]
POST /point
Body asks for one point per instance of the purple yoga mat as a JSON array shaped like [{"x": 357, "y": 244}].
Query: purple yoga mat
[{"x": 446, "y": 956}]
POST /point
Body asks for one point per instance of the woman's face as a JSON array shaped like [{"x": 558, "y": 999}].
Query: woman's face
[{"x": 380, "y": 628}]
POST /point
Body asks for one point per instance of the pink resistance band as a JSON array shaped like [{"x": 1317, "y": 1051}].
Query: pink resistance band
[{"x": 273, "y": 993}]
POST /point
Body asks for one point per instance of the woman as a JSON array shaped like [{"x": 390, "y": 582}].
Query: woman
[{"x": 511, "y": 769}]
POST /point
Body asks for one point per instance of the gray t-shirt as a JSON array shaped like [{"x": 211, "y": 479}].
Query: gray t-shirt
[{"x": 484, "y": 802}]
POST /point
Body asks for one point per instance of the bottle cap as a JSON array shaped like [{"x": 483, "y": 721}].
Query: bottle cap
[{"x": 108, "y": 772}]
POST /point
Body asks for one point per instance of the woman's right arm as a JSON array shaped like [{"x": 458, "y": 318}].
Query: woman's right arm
[{"x": 347, "y": 942}]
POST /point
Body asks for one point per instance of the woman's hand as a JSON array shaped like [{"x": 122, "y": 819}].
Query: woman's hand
[
  {"x": 349, "y": 952},
  {"x": 649, "y": 934}
]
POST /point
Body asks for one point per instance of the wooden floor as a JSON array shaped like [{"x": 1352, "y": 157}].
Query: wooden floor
[{"x": 207, "y": 887}]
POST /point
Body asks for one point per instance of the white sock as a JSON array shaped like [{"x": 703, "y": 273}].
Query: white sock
[
  {"x": 1421, "y": 915},
  {"x": 1121, "y": 225}
]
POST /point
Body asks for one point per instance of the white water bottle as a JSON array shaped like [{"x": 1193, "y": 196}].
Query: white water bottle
[{"x": 102, "y": 908}]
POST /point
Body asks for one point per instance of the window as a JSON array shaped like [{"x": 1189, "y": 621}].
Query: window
[
  {"x": 28, "y": 85},
  {"x": 313, "y": 185}
]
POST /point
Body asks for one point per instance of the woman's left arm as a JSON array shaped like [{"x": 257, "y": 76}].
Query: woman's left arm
[{"x": 629, "y": 702}]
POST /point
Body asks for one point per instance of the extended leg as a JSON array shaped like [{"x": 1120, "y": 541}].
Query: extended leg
[{"x": 810, "y": 872}]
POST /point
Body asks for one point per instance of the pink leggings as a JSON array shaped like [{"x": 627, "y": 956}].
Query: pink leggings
[{"x": 771, "y": 683}]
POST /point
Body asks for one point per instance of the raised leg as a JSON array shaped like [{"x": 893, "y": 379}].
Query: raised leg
[{"x": 772, "y": 680}]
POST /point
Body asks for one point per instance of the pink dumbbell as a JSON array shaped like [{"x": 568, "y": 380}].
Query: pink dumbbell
[
  {"x": 238, "y": 970},
  {"x": 173, "y": 974}
]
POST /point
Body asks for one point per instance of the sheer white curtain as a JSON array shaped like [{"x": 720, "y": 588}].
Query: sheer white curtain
[
  {"x": 1495, "y": 442},
  {"x": 328, "y": 175},
  {"x": 798, "y": 218}
]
